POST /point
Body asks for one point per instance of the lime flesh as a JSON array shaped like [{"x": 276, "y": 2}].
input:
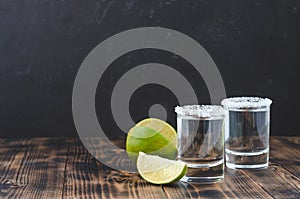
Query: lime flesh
[{"x": 157, "y": 170}]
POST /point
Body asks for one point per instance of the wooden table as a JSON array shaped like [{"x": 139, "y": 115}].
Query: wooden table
[{"x": 62, "y": 168}]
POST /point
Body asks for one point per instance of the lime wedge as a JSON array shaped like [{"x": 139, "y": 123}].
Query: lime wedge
[{"x": 159, "y": 170}]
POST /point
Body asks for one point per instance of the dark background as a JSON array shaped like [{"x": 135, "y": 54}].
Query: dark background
[{"x": 255, "y": 44}]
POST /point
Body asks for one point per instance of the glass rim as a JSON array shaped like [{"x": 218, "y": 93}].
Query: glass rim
[
  {"x": 205, "y": 111},
  {"x": 246, "y": 103}
]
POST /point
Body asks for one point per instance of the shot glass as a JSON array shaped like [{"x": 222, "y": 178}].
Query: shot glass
[
  {"x": 201, "y": 142},
  {"x": 247, "y": 124}
]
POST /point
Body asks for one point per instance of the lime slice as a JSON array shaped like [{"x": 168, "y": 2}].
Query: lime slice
[
  {"x": 152, "y": 136},
  {"x": 159, "y": 170}
]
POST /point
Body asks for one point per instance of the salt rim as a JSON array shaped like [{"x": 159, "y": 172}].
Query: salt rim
[
  {"x": 246, "y": 102},
  {"x": 200, "y": 110}
]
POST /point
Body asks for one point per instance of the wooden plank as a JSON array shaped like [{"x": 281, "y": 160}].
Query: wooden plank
[
  {"x": 57, "y": 167},
  {"x": 243, "y": 186},
  {"x": 235, "y": 185},
  {"x": 32, "y": 168},
  {"x": 285, "y": 151},
  {"x": 88, "y": 178},
  {"x": 277, "y": 179},
  {"x": 189, "y": 190}
]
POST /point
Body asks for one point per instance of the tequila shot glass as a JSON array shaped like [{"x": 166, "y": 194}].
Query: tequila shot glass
[
  {"x": 201, "y": 142},
  {"x": 247, "y": 124}
]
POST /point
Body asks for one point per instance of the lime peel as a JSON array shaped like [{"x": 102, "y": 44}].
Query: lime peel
[{"x": 152, "y": 136}]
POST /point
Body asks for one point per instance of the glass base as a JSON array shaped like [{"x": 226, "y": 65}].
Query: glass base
[
  {"x": 246, "y": 160},
  {"x": 202, "y": 180},
  {"x": 244, "y": 166},
  {"x": 211, "y": 172}
]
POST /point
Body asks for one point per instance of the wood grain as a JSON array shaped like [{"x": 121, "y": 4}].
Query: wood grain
[
  {"x": 285, "y": 152},
  {"x": 63, "y": 168},
  {"x": 32, "y": 168},
  {"x": 87, "y": 178}
]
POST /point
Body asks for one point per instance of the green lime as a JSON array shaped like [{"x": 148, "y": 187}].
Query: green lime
[
  {"x": 159, "y": 170},
  {"x": 152, "y": 136}
]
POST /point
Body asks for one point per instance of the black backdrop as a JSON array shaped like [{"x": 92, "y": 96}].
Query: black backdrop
[{"x": 255, "y": 44}]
